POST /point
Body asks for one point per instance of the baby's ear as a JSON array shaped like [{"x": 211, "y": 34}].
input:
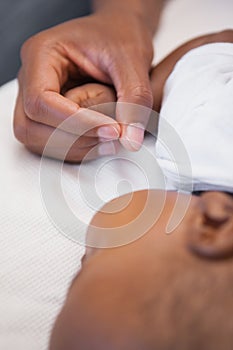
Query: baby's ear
[
  {"x": 89, "y": 95},
  {"x": 211, "y": 236}
]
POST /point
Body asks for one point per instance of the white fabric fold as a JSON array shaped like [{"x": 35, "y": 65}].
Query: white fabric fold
[{"x": 198, "y": 104}]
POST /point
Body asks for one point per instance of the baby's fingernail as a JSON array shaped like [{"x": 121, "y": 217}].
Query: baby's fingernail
[
  {"x": 107, "y": 149},
  {"x": 135, "y": 135},
  {"x": 108, "y": 132}
]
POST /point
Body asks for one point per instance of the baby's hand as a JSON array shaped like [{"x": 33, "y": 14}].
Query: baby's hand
[
  {"x": 89, "y": 95},
  {"x": 100, "y": 98}
]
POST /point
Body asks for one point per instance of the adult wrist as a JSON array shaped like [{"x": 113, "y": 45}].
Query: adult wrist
[{"x": 147, "y": 11}]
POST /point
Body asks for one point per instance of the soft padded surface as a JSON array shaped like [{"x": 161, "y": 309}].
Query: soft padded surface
[{"x": 37, "y": 263}]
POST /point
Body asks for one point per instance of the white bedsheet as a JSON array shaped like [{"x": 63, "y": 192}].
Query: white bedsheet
[{"x": 37, "y": 263}]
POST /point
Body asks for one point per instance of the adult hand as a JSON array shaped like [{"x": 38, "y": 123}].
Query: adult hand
[{"x": 113, "y": 48}]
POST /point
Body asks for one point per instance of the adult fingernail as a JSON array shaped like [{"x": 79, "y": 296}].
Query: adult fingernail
[
  {"x": 135, "y": 135},
  {"x": 107, "y": 149},
  {"x": 108, "y": 132}
]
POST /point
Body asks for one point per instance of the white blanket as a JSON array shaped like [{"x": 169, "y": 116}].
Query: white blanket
[{"x": 198, "y": 103}]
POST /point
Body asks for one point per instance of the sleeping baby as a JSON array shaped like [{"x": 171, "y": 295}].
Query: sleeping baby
[{"x": 162, "y": 291}]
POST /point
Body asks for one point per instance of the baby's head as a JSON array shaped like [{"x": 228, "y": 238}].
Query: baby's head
[{"x": 161, "y": 291}]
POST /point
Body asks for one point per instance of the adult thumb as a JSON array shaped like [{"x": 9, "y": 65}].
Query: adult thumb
[{"x": 134, "y": 102}]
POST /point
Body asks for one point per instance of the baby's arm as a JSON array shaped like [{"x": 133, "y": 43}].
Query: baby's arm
[{"x": 161, "y": 72}]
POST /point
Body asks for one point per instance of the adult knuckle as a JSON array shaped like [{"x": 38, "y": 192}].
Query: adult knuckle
[
  {"x": 26, "y": 134},
  {"x": 35, "y": 107},
  {"x": 142, "y": 94},
  {"x": 31, "y": 105},
  {"x": 27, "y": 47},
  {"x": 35, "y": 42},
  {"x": 20, "y": 131}
]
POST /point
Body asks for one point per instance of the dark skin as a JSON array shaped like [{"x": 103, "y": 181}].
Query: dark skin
[
  {"x": 161, "y": 291},
  {"x": 93, "y": 94},
  {"x": 99, "y": 47}
]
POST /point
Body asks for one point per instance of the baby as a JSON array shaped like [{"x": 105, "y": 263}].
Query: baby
[{"x": 159, "y": 292}]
